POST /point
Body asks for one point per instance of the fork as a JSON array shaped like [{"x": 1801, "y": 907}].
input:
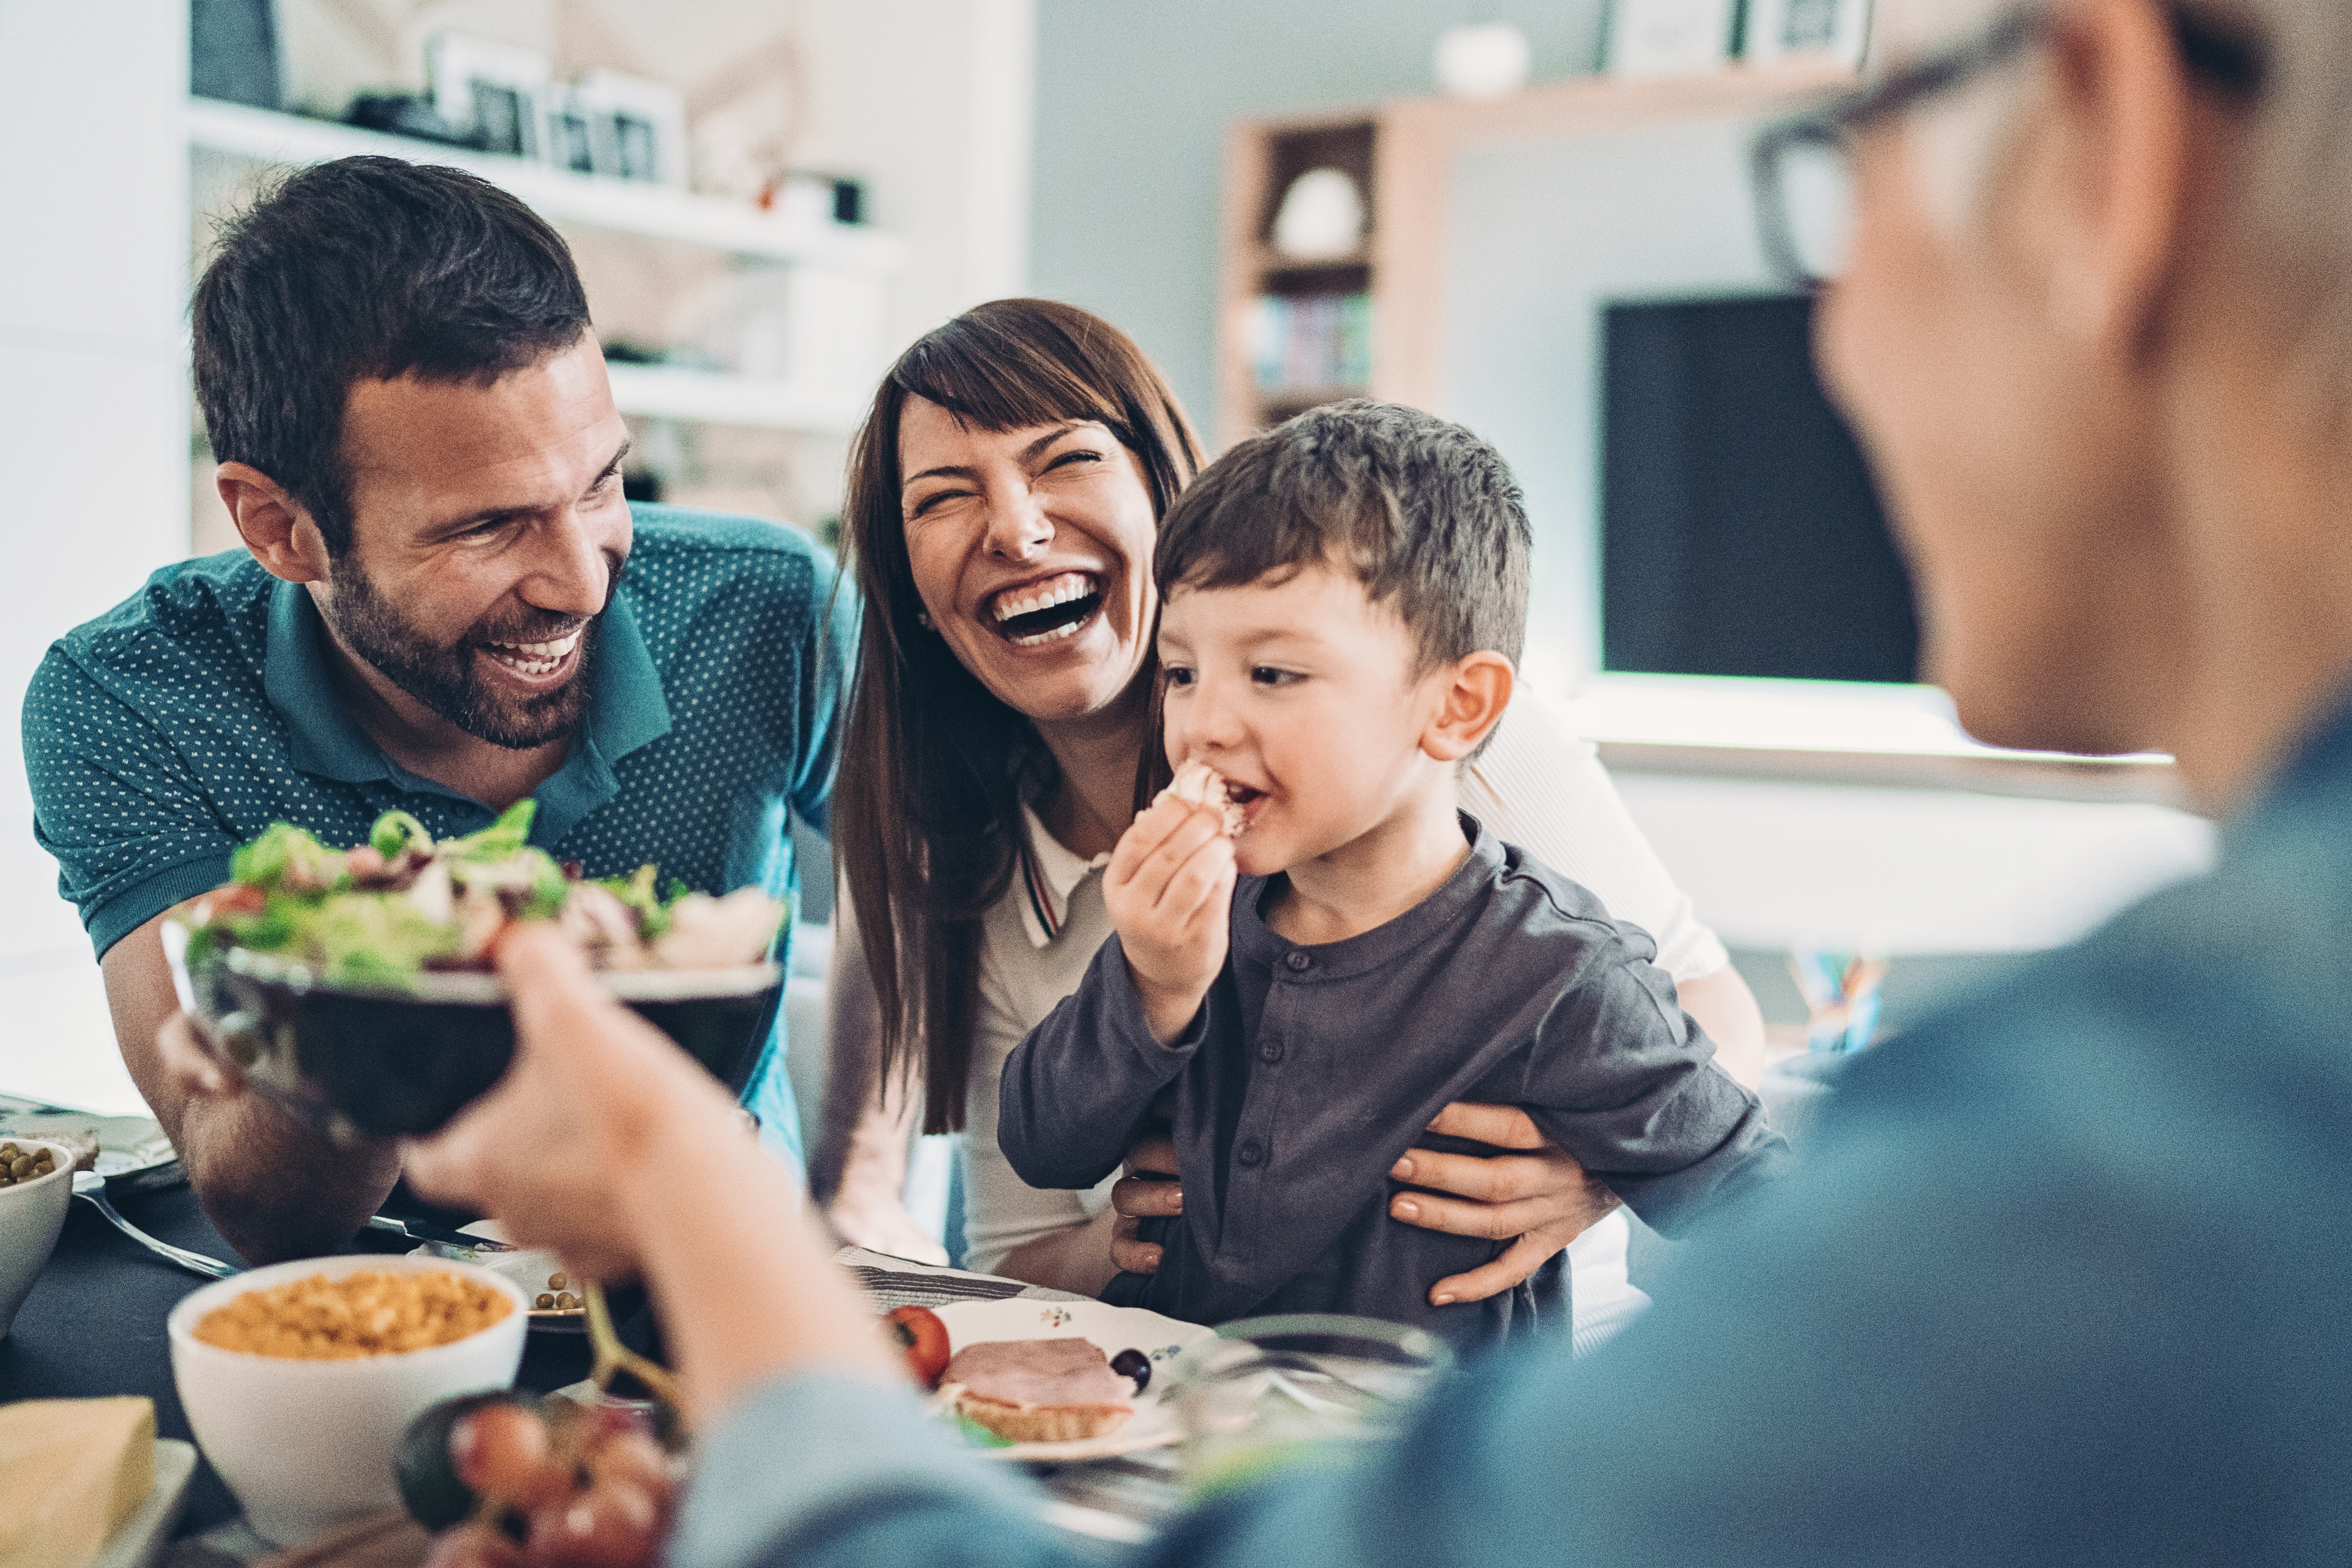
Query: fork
[{"x": 90, "y": 1186}]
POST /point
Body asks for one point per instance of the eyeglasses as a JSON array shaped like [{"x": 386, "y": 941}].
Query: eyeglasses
[{"x": 1801, "y": 167}]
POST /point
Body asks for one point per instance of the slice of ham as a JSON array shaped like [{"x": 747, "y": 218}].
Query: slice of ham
[
  {"x": 1198, "y": 784},
  {"x": 1030, "y": 1373}
]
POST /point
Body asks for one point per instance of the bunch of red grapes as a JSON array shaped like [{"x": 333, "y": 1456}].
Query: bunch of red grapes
[{"x": 516, "y": 1483}]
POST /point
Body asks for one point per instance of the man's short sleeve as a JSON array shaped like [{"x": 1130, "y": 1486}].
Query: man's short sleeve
[{"x": 115, "y": 801}]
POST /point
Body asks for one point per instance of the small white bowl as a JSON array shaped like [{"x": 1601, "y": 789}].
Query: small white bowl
[
  {"x": 31, "y": 1215},
  {"x": 306, "y": 1444}
]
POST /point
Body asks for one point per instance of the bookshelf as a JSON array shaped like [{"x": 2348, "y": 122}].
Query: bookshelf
[
  {"x": 1401, "y": 154},
  {"x": 1270, "y": 302},
  {"x": 650, "y": 212},
  {"x": 656, "y": 212}
]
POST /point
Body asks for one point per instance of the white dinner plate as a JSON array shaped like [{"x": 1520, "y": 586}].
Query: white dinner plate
[
  {"x": 1110, "y": 1330},
  {"x": 527, "y": 1269}
]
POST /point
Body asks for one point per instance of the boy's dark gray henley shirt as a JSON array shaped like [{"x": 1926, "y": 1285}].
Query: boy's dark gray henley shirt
[{"x": 1310, "y": 1071}]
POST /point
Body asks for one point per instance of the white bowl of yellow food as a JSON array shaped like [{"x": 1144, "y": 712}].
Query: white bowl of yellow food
[
  {"x": 32, "y": 1211},
  {"x": 300, "y": 1378}
]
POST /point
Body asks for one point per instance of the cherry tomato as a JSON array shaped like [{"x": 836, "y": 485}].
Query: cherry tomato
[
  {"x": 611, "y": 1525},
  {"x": 501, "y": 1451},
  {"x": 919, "y": 1334}
]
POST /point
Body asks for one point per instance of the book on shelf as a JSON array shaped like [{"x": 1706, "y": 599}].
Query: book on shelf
[{"x": 1301, "y": 341}]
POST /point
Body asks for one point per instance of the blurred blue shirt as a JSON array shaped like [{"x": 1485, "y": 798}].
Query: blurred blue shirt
[{"x": 2065, "y": 1276}]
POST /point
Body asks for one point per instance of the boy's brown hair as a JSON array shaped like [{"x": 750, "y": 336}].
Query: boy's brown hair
[{"x": 1424, "y": 512}]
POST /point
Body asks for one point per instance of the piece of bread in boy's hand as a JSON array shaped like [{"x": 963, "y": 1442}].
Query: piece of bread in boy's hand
[{"x": 1198, "y": 784}]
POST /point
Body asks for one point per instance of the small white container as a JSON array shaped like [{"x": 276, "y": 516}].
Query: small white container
[
  {"x": 31, "y": 1215},
  {"x": 306, "y": 1444}
]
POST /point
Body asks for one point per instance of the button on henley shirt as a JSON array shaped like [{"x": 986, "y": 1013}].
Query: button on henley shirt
[
  {"x": 1311, "y": 1070},
  {"x": 192, "y": 716}
]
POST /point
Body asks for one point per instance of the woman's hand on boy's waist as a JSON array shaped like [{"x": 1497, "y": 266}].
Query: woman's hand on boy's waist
[
  {"x": 1542, "y": 1197},
  {"x": 1169, "y": 890}
]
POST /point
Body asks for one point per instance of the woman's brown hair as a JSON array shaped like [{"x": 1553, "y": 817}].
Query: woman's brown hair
[{"x": 935, "y": 767}]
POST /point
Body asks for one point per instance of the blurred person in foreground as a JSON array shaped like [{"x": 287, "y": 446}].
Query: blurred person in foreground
[{"x": 2062, "y": 1279}]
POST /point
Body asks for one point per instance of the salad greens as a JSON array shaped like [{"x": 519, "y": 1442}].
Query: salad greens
[{"x": 373, "y": 916}]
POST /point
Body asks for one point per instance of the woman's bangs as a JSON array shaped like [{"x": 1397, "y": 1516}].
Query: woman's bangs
[{"x": 1000, "y": 381}]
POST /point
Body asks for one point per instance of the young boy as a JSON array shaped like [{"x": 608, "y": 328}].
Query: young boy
[{"x": 1326, "y": 956}]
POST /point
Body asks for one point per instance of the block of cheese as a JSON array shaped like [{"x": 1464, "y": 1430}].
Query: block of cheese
[{"x": 71, "y": 1470}]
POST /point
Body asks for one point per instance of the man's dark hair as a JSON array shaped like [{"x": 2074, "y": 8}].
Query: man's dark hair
[
  {"x": 367, "y": 267},
  {"x": 1419, "y": 509}
]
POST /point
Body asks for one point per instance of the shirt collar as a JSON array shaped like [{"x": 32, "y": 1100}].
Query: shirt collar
[
  {"x": 321, "y": 737},
  {"x": 626, "y": 711},
  {"x": 1049, "y": 874},
  {"x": 1256, "y": 942}
]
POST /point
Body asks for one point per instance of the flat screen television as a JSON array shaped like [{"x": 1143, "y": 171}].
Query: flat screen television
[{"x": 1739, "y": 532}]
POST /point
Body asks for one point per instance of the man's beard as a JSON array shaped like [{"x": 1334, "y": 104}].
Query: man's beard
[{"x": 444, "y": 680}]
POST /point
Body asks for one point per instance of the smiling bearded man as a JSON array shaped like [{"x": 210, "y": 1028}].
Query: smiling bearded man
[
  {"x": 420, "y": 450},
  {"x": 537, "y": 646}
]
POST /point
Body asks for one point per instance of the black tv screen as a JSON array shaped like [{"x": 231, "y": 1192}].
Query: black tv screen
[{"x": 1739, "y": 532}]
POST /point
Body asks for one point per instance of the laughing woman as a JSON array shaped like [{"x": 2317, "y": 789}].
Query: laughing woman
[{"x": 1004, "y": 499}]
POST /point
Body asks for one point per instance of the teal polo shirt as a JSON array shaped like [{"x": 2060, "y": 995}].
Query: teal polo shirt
[{"x": 192, "y": 716}]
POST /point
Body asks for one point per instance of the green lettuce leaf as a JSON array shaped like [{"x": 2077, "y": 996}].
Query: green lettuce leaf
[
  {"x": 395, "y": 831},
  {"x": 283, "y": 851},
  {"x": 509, "y": 835}
]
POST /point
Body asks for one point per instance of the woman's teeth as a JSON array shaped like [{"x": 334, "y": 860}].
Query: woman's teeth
[
  {"x": 1046, "y": 611},
  {"x": 1067, "y": 629},
  {"x": 1052, "y": 591},
  {"x": 534, "y": 658}
]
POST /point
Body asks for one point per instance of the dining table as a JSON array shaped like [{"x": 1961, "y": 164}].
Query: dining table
[{"x": 94, "y": 1326}]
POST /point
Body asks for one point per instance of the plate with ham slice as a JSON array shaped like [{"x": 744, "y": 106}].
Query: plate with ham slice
[{"x": 1039, "y": 1372}]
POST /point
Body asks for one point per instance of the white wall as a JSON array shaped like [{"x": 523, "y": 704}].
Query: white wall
[
  {"x": 93, "y": 436},
  {"x": 929, "y": 101}
]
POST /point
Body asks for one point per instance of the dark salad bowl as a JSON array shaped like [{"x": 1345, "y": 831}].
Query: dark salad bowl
[{"x": 402, "y": 1061}]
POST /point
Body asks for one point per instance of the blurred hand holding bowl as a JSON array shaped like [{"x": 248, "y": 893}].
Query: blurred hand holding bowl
[{"x": 355, "y": 986}]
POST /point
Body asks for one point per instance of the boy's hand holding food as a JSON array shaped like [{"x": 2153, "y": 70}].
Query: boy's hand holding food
[{"x": 1169, "y": 890}]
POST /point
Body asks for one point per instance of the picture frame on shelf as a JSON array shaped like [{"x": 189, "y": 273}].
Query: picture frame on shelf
[
  {"x": 571, "y": 131},
  {"x": 638, "y": 125},
  {"x": 1670, "y": 37},
  {"x": 496, "y": 91},
  {"x": 1789, "y": 30}
]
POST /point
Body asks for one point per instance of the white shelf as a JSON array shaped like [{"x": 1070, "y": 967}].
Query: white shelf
[
  {"x": 557, "y": 194},
  {"x": 1836, "y": 732},
  {"x": 663, "y": 392}
]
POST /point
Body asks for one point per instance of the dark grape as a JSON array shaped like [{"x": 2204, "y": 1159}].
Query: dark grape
[
  {"x": 437, "y": 1495},
  {"x": 501, "y": 1451},
  {"x": 611, "y": 1525},
  {"x": 1134, "y": 1365}
]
